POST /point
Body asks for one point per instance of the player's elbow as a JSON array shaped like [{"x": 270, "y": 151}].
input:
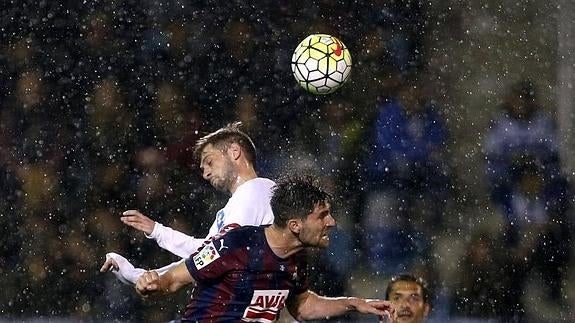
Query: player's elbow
[
  {"x": 175, "y": 284},
  {"x": 310, "y": 314},
  {"x": 301, "y": 317},
  {"x": 300, "y": 309}
]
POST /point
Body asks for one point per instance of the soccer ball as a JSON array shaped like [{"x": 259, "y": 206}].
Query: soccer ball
[{"x": 321, "y": 63}]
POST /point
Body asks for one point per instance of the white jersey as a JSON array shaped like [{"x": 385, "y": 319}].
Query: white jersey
[{"x": 248, "y": 205}]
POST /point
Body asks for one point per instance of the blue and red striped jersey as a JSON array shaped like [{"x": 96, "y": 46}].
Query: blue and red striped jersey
[{"x": 240, "y": 278}]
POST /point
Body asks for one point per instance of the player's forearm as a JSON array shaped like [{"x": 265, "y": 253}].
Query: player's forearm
[
  {"x": 175, "y": 279},
  {"x": 166, "y": 268},
  {"x": 168, "y": 284},
  {"x": 163, "y": 285},
  {"x": 125, "y": 272},
  {"x": 176, "y": 242},
  {"x": 319, "y": 307}
]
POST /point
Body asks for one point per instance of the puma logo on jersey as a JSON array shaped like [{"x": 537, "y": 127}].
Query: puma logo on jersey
[{"x": 222, "y": 247}]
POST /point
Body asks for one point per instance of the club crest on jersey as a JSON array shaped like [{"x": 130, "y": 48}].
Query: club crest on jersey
[
  {"x": 265, "y": 305},
  {"x": 206, "y": 255},
  {"x": 220, "y": 219}
]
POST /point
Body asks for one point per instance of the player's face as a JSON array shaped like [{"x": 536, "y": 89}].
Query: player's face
[
  {"x": 407, "y": 298},
  {"x": 217, "y": 168},
  {"x": 316, "y": 227}
]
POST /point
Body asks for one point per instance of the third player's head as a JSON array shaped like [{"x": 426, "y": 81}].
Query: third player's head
[
  {"x": 410, "y": 298},
  {"x": 301, "y": 206},
  {"x": 224, "y": 155}
]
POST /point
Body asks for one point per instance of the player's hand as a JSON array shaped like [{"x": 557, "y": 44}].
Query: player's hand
[
  {"x": 110, "y": 264},
  {"x": 138, "y": 221},
  {"x": 148, "y": 283},
  {"x": 383, "y": 309}
]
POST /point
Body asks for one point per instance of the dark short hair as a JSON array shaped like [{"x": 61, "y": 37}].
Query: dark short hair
[
  {"x": 405, "y": 277},
  {"x": 224, "y": 137},
  {"x": 296, "y": 197}
]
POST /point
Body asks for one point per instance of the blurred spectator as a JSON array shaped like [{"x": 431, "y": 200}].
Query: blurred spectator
[
  {"x": 248, "y": 110},
  {"x": 400, "y": 27},
  {"x": 539, "y": 229},
  {"x": 177, "y": 120},
  {"x": 29, "y": 89},
  {"x": 111, "y": 120},
  {"x": 534, "y": 199},
  {"x": 523, "y": 132},
  {"x": 482, "y": 288},
  {"x": 534, "y": 249},
  {"x": 538, "y": 235},
  {"x": 406, "y": 180}
]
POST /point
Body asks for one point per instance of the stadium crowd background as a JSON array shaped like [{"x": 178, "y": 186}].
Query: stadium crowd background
[{"x": 102, "y": 101}]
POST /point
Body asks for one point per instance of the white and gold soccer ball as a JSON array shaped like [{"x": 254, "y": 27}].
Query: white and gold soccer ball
[{"x": 321, "y": 63}]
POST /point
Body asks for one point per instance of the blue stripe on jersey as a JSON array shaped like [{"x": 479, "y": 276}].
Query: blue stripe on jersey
[
  {"x": 248, "y": 264},
  {"x": 243, "y": 288},
  {"x": 220, "y": 219}
]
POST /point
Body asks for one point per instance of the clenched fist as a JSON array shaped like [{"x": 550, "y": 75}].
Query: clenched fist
[{"x": 148, "y": 283}]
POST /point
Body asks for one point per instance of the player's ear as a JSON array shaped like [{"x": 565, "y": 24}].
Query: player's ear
[
  {"x": 294, "y": 225},
  {"x": 235, "y": 151}
]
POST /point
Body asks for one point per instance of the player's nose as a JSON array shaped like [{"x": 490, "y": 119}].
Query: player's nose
[
  {"x": 330, "y": 221},
  {"x": 206, "y": 174}
]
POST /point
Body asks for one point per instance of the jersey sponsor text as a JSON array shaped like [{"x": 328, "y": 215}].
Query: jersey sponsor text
[{"x": 265, "y": 305}]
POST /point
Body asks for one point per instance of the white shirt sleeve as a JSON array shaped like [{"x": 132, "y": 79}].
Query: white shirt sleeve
[
  {"x": 128, "y": 274},
  {"x": 176, "y": 242},
  {"x": 165, "y": 269},
  {"x": 248, "y": 206}
]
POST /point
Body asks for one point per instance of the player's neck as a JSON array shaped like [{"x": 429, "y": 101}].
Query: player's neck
[
  {"x": 244, "y": 175},
  {"x": 282, "y": 242}
]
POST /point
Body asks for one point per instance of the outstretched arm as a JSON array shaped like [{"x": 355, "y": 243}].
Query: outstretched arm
[
  {"x": 126, "y": 272},
  {"x": 176, "y": 242},
  {"x": 121, "y": 268},
  {"x": 310, "y": 306}
]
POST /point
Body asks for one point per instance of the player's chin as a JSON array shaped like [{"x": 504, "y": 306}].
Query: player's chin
[
  {"x": 405, "y": 319},
  {"x": 323, "y": 241},
  {"x": 219, "y": 185}
]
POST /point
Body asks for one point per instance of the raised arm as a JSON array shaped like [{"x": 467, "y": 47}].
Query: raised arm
[
  {"x": 310, "y": 306},
  {"x": 176, "y": 242}
]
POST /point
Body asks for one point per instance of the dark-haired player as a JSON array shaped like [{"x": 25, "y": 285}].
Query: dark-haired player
[
  {"x": 251, "y": 273},
  {"x": 410, "y": 298}
]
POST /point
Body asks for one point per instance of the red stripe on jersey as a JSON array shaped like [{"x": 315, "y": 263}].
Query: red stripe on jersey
[{"x": 255, "y": 314}]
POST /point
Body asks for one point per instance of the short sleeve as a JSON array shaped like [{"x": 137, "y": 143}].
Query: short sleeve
[{"x": 211, "y": 261}]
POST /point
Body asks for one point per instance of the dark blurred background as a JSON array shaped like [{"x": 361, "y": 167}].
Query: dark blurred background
[{"x": 449, "y": 149}]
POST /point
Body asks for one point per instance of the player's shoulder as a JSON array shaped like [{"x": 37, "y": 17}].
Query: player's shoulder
[
  {"x": 246, "y": 230},
  {"x": 258, "y": 183},
  {"x": 241, "y": 235},
  {"x": 254, "y": 188},
  {"x": 236, "y": 229}
]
